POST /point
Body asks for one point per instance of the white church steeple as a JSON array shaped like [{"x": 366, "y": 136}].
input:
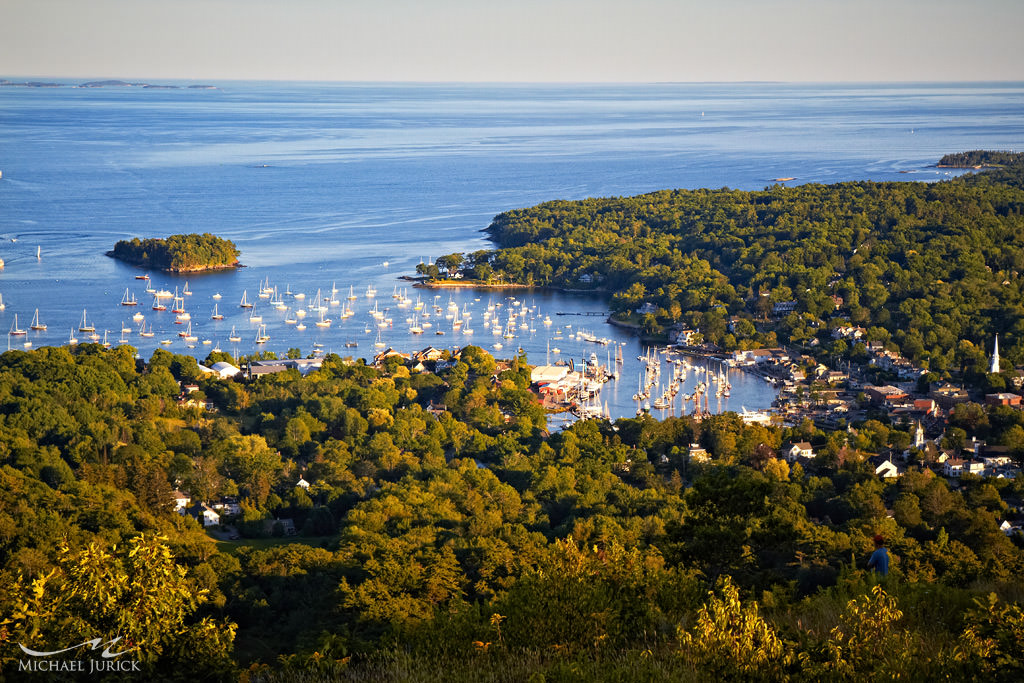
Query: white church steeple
[{"x": 994, "y": 364}]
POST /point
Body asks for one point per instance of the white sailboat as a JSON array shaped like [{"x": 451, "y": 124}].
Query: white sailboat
[
  {"x": 36, "y": 325},
  {"x": 15, "y": 330},
  {"x": 72, "y": 340},
  {"x": 2, "y": 304},
  {"x": 253, "y": 318},
  {"x": 244, "y": 303},
  {"x": 217, "y": 315},
  {"x": 128, "y": 299},
  {"x": 234, "y": 337},
  {"x": 85, "y": 326},
  {"x": 261, "y": 335}
]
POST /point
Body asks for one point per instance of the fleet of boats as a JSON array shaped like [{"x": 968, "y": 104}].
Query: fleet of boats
[{"x": 670, "y": 383}]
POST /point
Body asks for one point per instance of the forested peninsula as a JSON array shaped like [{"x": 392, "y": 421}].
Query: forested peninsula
[
  {"x": 922, "y": 266},
  {"x": 178, "y": 253}
]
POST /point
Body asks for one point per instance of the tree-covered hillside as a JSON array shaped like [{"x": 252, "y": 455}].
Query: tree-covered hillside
[{"x": 445, "y": 534}]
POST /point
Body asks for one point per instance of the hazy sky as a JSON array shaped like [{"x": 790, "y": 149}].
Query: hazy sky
[{"x": 514, "y": 40}]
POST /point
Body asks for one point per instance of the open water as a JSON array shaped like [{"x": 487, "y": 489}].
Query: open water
[{"x": 321, "y": 184}]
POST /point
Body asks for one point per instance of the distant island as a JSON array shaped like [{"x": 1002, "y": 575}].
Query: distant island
[
  {"x": 103, "y": 84},
  {"x": 978, "y": 158},
  {"x": 179, "y": 253}
]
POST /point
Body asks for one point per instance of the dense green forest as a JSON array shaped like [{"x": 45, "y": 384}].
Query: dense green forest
[
  {"x": 178, "y": 252},
  {"x": 470, "y": 543},
  {"x": 978, "y": 158},
  {"x": 933, "y": 269}
]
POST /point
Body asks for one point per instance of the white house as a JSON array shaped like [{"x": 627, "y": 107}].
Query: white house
[
  {"x": 888, "y": 470},
  {"x": 181, "y": 500},
  {"x": 203, "y": 513},
  {"x": 302, "y": 483},
  {"x": 800, "y": 449},
  {"x": 697, "y": 453}
]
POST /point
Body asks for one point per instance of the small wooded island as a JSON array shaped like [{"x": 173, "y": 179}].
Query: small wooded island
[{"x": 179, "y": 253}]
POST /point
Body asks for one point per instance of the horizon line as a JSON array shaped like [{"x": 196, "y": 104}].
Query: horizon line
[{"x": 78, "y": 80}]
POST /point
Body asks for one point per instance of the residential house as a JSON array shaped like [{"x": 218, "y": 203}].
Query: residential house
[
  {"x": 698, "y": 453},
  {"x": 181, "y": 500},
  {"x": 202, "y": 513},
  {"x": 800, "y": 449},
  {"x": 887, "y": 469}
]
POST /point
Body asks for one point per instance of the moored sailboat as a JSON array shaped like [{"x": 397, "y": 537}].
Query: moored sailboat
[
  {"x": 15, "y": 330},
  {"x": 36, "y": 325},
  {"x": 85, "y": 326}
]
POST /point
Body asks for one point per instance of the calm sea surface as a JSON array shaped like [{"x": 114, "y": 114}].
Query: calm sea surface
[{"x": 320, "y": 185}]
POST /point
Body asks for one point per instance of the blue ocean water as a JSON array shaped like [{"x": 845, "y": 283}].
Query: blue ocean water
[{"x": 320, "y": 184}]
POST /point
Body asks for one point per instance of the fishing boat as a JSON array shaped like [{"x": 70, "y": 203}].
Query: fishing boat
[
  {"x": 85, "y": 326},
  {"x": 244, "y": 303},
  {"x": 217, "y": 315},
  {"x": 36, "y": 325},
  {"x": 15, "y": 330},
  {"x": 128, "y": 299}
]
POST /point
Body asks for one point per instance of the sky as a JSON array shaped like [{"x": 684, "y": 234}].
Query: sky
[{"x": 514, "y": 40}]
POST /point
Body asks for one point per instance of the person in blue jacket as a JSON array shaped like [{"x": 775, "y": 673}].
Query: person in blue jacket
[{"x": 879, "y": 560}]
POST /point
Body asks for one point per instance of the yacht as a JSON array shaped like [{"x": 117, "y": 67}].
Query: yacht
[
  {"x": 85, "y": 326},
  {"x": 15, "y": 330},
  {"x": 36, "y": 325}
]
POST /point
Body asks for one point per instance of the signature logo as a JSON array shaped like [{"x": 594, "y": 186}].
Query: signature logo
[
  {"x": 108, "y": 661},
  {"x": 94, "y": 643}
]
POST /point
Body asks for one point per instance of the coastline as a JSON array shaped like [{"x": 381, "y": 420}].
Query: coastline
[{"x": 177, "y": 271}]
